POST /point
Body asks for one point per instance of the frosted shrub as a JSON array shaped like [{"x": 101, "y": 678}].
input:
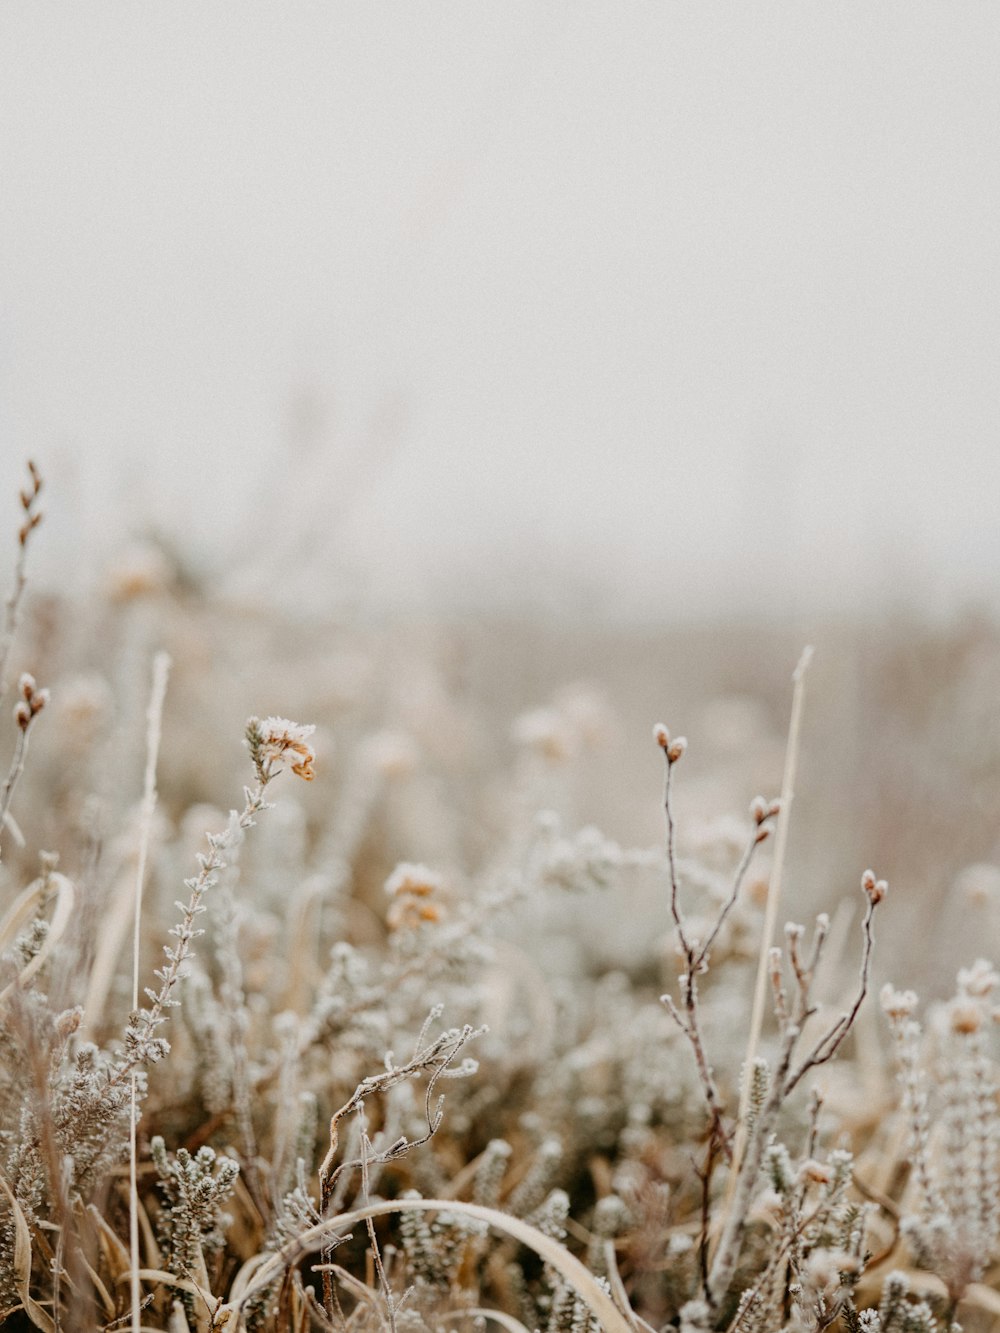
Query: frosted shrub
[{"x": 372, "y": 1082}]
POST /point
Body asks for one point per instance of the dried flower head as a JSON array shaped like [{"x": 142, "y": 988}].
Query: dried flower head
[
  {"x": 676, "y": 749},
  {"x": 965, "y": 1016},
  {"x": 816, "y": 1173},
  {"x": 413, "y": 889},
  {"x": 406, "y": 913},
  {"x": 413, "y": 879},
  {"x": 276, "y": 743},
  {"x": 824, "y": 1268},
  {"x": 898, "y": 1004},
  {"x": 876, "y": 889},
  {"x": 979, "y": 980},
  {"x": 31, "y": 702}
]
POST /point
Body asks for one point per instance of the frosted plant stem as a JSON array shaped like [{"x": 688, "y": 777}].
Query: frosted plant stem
[
  {"x": 770, "y": 921},
  {"x": 154, "y": 720},
  {"x": 141, "y": 1037},
  {"x": 689, "y": 1022}
]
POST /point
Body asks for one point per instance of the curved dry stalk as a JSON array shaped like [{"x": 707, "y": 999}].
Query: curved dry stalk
[
  {"x": 550, "y": 1251},
  {"x": 22, "y": 1263}
]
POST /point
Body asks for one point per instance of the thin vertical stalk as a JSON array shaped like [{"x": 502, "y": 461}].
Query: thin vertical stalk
[
  {"x": 770, "y": 921},
  {"x": 154, "y": 729}
]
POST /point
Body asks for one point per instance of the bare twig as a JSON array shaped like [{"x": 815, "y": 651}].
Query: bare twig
[
  {"x": 696, "y": 952},
  {"x": 829, "y": 1044}
]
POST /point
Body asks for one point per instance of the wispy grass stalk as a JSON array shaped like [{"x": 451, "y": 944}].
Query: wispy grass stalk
[{"x": 154, "y": 719}]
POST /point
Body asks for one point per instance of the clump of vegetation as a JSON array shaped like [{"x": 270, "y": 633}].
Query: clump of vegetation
[{"x": 354, "y": 1091}]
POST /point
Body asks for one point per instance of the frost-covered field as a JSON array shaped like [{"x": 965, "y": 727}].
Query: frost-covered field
[{"x": 393, "y": 978}]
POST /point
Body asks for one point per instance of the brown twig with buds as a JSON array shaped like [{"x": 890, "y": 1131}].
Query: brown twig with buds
[
  {"x": 696, "y": 952},
  {"x": 696, "y": 958}
]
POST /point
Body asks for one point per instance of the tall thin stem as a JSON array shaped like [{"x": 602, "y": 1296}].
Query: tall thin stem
[
  {"x": 154, "y": 719},
  {"x": 770, "y": 919}
]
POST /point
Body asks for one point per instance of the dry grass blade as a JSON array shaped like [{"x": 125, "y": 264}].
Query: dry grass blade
[
  {"x": 770, "y": 921},
  {"x": 65, "y": 900},
  {"x": 109, "y": 953},
  {"x": 110, "y": 1310},
  {"x": 243, "y": 1280},
  {"x": 178, "y": 1320},
  {"x": 168, "y": 1280},
  {"x": 22, "y": 1263},
  {"x": 21, "y": 910},
  {"x": 115, "y": 1252},
  {"x": 618, "y": 1288}
]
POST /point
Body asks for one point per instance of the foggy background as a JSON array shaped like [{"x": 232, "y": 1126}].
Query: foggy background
[{"x": 645, "y": 309}]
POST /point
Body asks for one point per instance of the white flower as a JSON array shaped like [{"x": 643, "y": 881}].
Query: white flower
[
  {"x": 276, "y": 743},
  {"x": 413, "y": 889},
  {"x": 409, "y": 877},
  {"x": 978, "y": 980},
  {"x": 897, "y": 1004}
]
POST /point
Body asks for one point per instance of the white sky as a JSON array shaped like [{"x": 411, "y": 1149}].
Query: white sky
[{"x": 696, "y": 303}]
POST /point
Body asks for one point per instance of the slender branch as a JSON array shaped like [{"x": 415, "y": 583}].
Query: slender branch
[
  {"x": 741, "y": 873},
  {"x": 828, "y": 1045},
  {"x": 668, "y": 811},
  {"x": 696, "y": 952}
]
